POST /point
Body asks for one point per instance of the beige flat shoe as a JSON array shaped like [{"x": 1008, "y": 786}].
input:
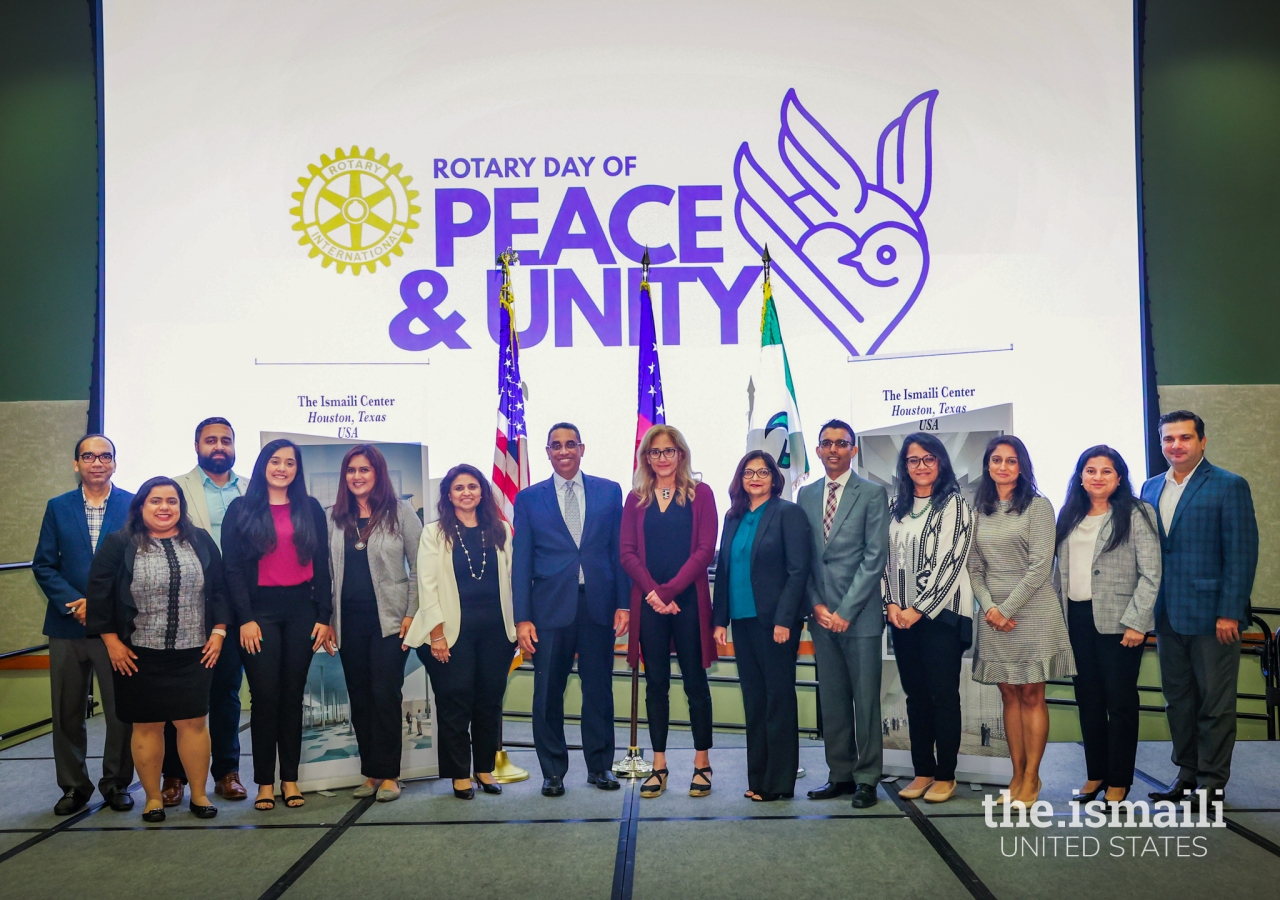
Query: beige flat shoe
[
  {"x": 915, "y": 793},
  {"x": 940, "y": 792}
]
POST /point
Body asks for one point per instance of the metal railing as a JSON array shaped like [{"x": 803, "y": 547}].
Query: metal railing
[{"x": 24, "y": 652}]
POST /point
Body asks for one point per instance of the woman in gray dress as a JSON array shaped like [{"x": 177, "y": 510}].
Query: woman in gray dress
[{"x": 1024, "y": 640}]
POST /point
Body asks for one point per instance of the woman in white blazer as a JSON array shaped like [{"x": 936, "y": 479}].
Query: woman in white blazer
[{"x": 464, "y": 628}]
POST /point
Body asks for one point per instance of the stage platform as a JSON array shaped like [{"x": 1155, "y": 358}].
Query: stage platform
[{"x": 597, "y": 845}]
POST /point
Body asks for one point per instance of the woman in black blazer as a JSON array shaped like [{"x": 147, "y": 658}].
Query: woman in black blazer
[
  {"x": 157, "y": 599},
  {"x": 760, "y": 582},
  {"x": 276, "y": 552}
]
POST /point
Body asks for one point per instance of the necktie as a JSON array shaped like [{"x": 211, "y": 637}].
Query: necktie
[
  {"x": 829, "y": 514},
  {"x": 573, "y": 519}
]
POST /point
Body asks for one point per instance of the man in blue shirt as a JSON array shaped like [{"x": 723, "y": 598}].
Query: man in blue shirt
[
  {"x": 74, "y": 523},
  {"x": 209, "y": 489}
]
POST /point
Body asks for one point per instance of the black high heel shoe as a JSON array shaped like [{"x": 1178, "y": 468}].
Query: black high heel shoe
[
  {"x": 467, "y": 793},
  {"x": 1089, "y": 797},
  {"x": 489, "y": 787},
  {"x": 1122, "y": 799}
]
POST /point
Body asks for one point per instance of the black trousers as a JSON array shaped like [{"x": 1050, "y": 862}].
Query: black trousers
[
  {"x": 928, "y": 656},
  {"x": 1106, "y": 683},
  {"x": 278, "y": 679},
  {"x": 469, "y": 690},
  {"x": 767, "y": 676},
  {"x": 657, "y": 633},
  {"x": 224, "y": 717},
  {"x": 592, "y": 645},
  {"x": 373, "y": 666}
]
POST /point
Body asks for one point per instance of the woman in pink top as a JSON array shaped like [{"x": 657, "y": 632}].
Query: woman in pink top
[{"x": 276, "y": 555}]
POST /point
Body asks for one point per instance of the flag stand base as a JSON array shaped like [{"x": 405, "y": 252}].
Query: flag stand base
[
  {"x": 633, "y": 765},
  {"x": 507, "y": 772}
]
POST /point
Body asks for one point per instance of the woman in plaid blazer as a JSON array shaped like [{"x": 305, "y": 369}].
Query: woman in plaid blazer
[{"x": 1109, "y": 599}]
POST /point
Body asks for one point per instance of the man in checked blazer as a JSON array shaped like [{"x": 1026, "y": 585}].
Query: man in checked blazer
[
  {"x": 1209, "y": 541},
  {"x": 849, "y": 518},
  {"x": 570, "y": 597}
]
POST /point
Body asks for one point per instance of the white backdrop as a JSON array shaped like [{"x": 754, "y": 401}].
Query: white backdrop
[{"x": 1005, "y": 217}]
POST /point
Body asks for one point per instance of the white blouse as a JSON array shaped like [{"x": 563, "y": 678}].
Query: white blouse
[{"x": 1081, "y": 543}]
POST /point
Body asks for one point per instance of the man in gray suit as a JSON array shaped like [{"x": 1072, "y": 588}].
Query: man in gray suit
[{"x": 849, "y": 517}]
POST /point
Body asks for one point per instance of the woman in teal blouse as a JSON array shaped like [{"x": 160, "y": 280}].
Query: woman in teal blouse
[{"x": 760, "y": 581}]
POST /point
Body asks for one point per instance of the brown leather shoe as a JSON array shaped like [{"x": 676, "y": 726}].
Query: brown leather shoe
[
  {"x": 171, "y": 791},
  {"x": 230, "y": 788}
]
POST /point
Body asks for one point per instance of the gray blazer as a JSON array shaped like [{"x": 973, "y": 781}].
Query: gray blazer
[
  {"x": 393, "y": 563},
  {"x": 848, "y": 566},
  {"x": 1125, "y": 580}
]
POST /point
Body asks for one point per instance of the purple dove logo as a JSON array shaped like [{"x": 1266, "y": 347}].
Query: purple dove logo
[{"x": 853, "y": 250}]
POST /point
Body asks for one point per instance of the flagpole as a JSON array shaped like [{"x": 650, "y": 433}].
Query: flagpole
[
  {"x": 504, "y": 770},
  {"x": 634, "y": 765}
]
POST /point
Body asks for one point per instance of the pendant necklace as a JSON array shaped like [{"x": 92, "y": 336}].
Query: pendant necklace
[
  {"x": 484, "y": 557},
  {"x": 362, "y": 536},
  {"x": 666, "y": 493}
]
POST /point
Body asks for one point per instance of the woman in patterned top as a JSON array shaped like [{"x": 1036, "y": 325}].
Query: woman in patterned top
[
  {"x": 157, "y": 598},
  {"x": 1024, "y": 641},
  {"x": 929, "y": 605}
]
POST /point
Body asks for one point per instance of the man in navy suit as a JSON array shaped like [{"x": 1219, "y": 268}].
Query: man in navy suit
[
  {"x": 74, "y": 523},
  {"x": 570, "y": 597},
  {"x": 1209, "y": 539}
]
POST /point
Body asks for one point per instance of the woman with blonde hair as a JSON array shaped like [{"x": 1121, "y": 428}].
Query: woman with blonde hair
[{"x": 668, "y": 542}]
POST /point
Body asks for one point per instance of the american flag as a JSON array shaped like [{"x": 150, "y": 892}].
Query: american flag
[
  {"x": 511, "y": 451},
  {"x": 650, "y": 408}
]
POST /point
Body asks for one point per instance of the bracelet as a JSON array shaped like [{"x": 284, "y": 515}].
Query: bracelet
[
  {"x": 441, "y": 638},
  {"x": 221, "y": 631}
]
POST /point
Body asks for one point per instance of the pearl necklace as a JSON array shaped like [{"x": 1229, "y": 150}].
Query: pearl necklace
[{"x": 484, "y": 557}]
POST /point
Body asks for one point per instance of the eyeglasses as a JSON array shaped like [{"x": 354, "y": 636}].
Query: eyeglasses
[
  {"x": 88, "y": 458},
  {"x": 828, "y": 444},
  {"x": 757, "y": 473},
  {"x": 655, "y": 453},
  {"x": 915, "y": 462},
  {"x": 571, "y": 446}
]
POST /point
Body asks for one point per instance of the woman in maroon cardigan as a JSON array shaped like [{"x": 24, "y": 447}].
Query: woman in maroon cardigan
[{"x": 668, "y": 541}]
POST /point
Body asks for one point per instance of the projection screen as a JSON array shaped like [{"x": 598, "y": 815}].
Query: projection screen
[{"x": 303, "y": 202}]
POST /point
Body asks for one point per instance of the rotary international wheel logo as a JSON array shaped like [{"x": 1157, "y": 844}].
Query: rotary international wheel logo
[{"x": 355, "y": 209}]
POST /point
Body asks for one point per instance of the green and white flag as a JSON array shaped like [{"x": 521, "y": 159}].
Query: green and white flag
[{"x": 773, "y": 416}]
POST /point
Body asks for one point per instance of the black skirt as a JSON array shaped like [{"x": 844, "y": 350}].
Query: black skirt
[{"x": 169, "y": 685}]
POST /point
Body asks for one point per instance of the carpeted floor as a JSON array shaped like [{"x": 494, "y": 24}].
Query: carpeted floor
[{"x": 596, "y": 844}]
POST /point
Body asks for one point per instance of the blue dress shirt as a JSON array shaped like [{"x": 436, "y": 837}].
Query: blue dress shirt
[{"x": 742, "y": 599}]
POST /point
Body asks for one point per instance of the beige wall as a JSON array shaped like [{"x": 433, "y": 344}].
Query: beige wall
[
  {"x": 35, "y": 464},
  {"x": 1242, "y": 424}
]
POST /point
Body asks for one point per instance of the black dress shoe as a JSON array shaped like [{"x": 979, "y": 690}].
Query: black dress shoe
[
  {"x": 467, "y": 793},
  {"x": 202, "y": 812},
  {"x": 1179, "y": 791},
  {"x": 832, "y": 789},
  {"x": 553, "y": 786},
  {"x": 488, "y": 788},
  {"x": 604, "y": 780},
  {"x": 72, "y": 802},
  {"x": 864, "y": 796},
  {"x": 119, "y": 799},
  {"x": 153, "y": 816}
]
